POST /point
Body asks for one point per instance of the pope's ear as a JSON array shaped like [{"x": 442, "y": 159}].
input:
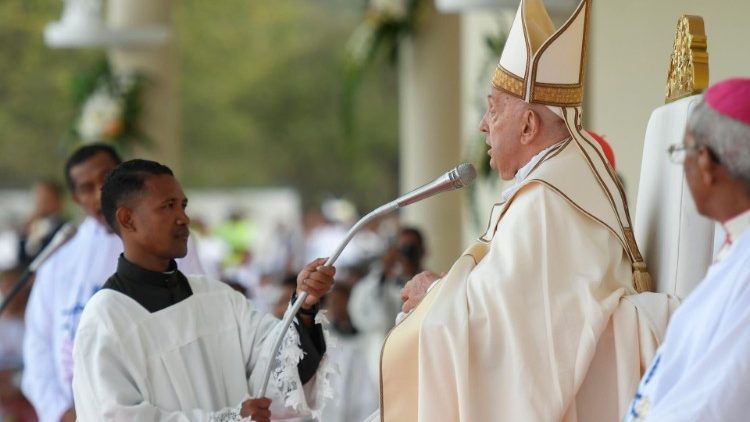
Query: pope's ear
[
  {"x": 124, "y": 218},
  {"x": 530, "y": 128}
]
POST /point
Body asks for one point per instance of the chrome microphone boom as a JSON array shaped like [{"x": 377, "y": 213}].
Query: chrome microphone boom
[
  {"x": 456, "y": 178},
  {"x": 61, "y": 236}
]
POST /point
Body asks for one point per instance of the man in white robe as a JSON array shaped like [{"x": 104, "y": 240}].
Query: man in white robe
[
  {"x": 512, "y": 331},
  {"x": 65, "y": 283},
  {"x": 154, "y": 344},
  {"x": 701, "y": 371}
]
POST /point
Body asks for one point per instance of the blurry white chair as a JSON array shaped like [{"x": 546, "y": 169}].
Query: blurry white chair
[{"x": 677, "y": 243}]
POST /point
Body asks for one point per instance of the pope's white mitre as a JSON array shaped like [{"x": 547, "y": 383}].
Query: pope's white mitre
[{"x": 540, "y": 64}]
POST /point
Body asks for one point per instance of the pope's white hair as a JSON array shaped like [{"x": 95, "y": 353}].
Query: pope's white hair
[{"x": 728, "y": 138}]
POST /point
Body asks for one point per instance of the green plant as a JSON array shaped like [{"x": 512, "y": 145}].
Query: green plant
[
  {"x": 108, "y": 107},
  {"x": 385, "y": 24}
]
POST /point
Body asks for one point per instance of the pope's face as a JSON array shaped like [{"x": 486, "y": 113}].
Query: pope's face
[
  {"x": 159, "y": 220},
  {"x": 502, "y": 125}
]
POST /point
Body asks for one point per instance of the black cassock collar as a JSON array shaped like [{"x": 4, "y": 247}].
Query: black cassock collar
[{"x": 154, "y": 290}]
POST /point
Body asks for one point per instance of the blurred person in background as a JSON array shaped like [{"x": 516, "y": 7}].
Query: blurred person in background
[
  {"x": 13, "y": 405},
  {"x": 239, "y": 232},
  {"x": 355, "y": 391},
  {"x": 66, "y": 282},
  {"x": 245, "y": 272},
  {"x": 46, "y": 218},
  {"x": 376, "y": 300},
  {"x": 285, "y": 291},
  {"x": 325, "y": 230},
  {"x": 211, "y": 249}
]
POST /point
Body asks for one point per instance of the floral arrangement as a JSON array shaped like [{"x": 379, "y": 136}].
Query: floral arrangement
[
  {"x": 109, "y": 106},
  {"x": 385, "y": 24}
]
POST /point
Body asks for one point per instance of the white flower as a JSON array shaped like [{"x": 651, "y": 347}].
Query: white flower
[
  {"x": 101, "y": 117},
  {"x": 395, "y": 9},
  {"x": 360, "y": 43}
]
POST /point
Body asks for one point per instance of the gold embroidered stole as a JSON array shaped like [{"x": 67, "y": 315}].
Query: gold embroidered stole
[{"x": 399, "y": 359}]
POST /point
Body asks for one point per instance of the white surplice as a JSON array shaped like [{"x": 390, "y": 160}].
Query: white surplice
[
  {"x": 63, "y": 286},
  {"x": 196, "y": 360},
  {"x": 702, "y": 371}
]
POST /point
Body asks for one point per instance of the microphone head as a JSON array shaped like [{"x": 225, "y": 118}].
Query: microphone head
[{"x": 465, "y": 175}]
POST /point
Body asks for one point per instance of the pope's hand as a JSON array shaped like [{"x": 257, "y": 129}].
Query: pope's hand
[
  {"x": 257, "y": 409},
  {"x": 415, "y": 290},
  {"x": 315, "y": 279}
]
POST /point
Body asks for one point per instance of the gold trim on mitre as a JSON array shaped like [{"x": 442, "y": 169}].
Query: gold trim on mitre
[
  {"x": 541, "y": 65},
  {"x": 508, "y": 82},
  {"x": 560, "y": 95},
  {"x": 688, "y": 64}
]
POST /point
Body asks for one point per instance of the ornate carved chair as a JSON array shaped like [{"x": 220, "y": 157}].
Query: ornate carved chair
[{"x": 676, "y": 242}]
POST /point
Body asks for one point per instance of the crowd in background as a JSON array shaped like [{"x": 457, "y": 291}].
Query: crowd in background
[{"x": 361, "y": 308}]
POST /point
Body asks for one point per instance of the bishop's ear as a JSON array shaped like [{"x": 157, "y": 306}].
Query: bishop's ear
[
  {"x": 707, "y": 166},
  {"x": 124, "y": 218}
]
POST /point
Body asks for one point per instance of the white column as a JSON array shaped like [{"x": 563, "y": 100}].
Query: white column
[
  {"x": 159, "y": 115},
  {"x": 430, "y": 130}
]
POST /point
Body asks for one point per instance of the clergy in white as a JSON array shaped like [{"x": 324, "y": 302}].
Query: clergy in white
[
  {"x": 66, "y": 282},
  {"x": 154, "y": 344},
  {"x": 701, "y": 372},
  {"x": 514, "y": 331}
]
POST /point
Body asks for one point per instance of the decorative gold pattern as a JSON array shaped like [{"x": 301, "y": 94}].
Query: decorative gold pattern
[
  {"x": 502, "y": 79},
  {"x": 560, "y": 95},
  {"x": 630, "y": 237},
  {"x": 688, "y": 66}
]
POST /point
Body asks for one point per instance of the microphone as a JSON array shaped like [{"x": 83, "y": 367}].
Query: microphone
[
  {"x": 61, "y": 236},
  {"x": 65, "y": 233},
  {"x": 456, "y": 178}
]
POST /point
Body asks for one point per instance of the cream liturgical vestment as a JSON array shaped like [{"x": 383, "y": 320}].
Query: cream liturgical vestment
[
  {"x": 196, "y": 360},
  {"x": 510, "y": 332},
  {"x": 539, "y": 321}
]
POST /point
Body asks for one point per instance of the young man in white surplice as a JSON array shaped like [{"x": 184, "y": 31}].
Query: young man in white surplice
[{"x": 154, "y": 344}]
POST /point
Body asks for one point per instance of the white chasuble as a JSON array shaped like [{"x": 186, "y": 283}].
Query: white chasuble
[
  {"x": 196, "y": 360},
  {"x": 509, "y": 334}
]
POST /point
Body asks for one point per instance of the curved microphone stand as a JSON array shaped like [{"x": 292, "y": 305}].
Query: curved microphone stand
[
  {"x": 291, "y": 312},
  {"x": 456, "y": 178}
]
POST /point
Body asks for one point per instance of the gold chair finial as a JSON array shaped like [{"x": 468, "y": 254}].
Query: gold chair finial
[{"x": 688, "y": 66}]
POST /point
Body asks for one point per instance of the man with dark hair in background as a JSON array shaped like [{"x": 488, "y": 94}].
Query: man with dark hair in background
[
  {"x": 65, "y": 283},
  {"x": 154, "y": 344}
]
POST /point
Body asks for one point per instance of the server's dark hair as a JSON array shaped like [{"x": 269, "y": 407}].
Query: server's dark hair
[
  {"x": 127, "y": 179},
  {"x": 84, "y": 153}
]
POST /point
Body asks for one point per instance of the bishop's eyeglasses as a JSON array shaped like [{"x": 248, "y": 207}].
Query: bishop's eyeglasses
[{"x": 678, "y": 152}]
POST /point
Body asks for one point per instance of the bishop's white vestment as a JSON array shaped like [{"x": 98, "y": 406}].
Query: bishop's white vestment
[{"x": 702, "y": 371}]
